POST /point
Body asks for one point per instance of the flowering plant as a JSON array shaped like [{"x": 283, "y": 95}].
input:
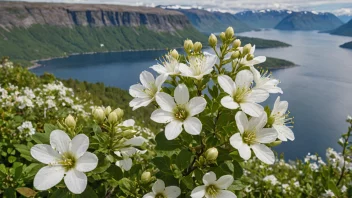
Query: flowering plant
[{"x": 215, "y": 137}]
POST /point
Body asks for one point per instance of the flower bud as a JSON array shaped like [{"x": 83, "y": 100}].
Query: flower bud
[
  {"x": 235, "y": 55},
  {"x": 250, "y": 57},
  {"x": 211, "y": 154},
  {"x": 174, "y": 54},
  {"x": 188, "y": 45},
  {"x": 146, "y": 176},
  {"x": 107, "y": 110},
  {"x": 246, "y": 49},
  {"x": 236, "y": 43},
  {"x": 70, "y": 121},
  {"x": 212, "y": 40},
  {"x": 112, "y": 119},
  {"x": 99, "y": 114},
  {"x": 222, "y": 36},
  {"x": 119, "y": 112},
  {"x": 229, "y": 33},
  {"x": 197, "y": 46},
  {"x": 275, "y": 143}
]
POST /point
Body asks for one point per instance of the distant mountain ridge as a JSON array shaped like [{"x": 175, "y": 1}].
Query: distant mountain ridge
[
  {"x": 262, "y": 18},
  {"x": 309, "y": 21},
  {"x": 343, "y": 30}
]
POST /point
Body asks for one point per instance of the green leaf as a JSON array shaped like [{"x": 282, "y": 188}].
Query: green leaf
[
  {"x": 115, "y": 172},
  {"x": 10, "y": 193},
  {"x": 184, "y": 159},
  {"x": 88, "y": 192},
  {"x": 11, "y": 159},
  {"x": 333, "y": 188},
  {"x": 188, "y": 182},
  {"x": 61, "y": 193},
  {"x": 3, "y": 169},
  {"x": 41, "y": 138},
  {"x": 96, "y": 128},
  {"x": 237, "y": 170},
  {"x": 48, "y": 128},
  {"x": 126, "y": 186},
  {"x": 236, "y": 185},
  {"x": 162, "y": 163},
  {"x": 103, "y": 164},
  {"x": 18, "y": 172},
  {"x": 166, "y": 145},
  {"x": 24, "y": 151},
  {"x": 27, "y": 192}
]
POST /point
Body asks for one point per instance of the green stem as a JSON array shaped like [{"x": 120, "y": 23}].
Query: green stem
[{"x": 344, "y": 153}]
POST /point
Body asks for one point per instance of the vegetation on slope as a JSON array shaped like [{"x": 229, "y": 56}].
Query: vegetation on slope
[
  {"x": 263, "y": 43},
  {"x": 43, "y": 41},
  {"x": 276, "y": 63}
]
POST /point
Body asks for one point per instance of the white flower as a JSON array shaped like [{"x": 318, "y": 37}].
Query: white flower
[
  {"x": 159, "y": 191},
  {"x": 199, "y": 66},
  {"x": 145, "y": 93},
  {"x": 126, "y": 153},
  {"x": 329, "y": 193},
  {"x": 241, "y": 95},
  {"x": 343, "y": 189},
  {"x": 254, "y": 61},
  {"x": 27, "y": 128},
  {"x": 272, "y": 179},
  {"x": 179, "y": 113},
  {"x": 213, "y": 188},
  {"x": 279, "y": 116},
  {"x": 66, "y": 159},
  {"x": 265, "y": 82},
  {"x": 253, "y": 136},
  {"x": 169, "y": 66}
]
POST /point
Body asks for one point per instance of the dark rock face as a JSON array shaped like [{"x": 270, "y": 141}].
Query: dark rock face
[
  {"x": 309, "y": 21},
  {"x": 22, "y": 14}
]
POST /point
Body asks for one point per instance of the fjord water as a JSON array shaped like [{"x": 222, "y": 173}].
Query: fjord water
[{"x": 319, "y": 90}]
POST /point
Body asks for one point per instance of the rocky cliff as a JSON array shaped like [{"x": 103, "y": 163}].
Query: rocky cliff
[{"x": 21, "y": 14}]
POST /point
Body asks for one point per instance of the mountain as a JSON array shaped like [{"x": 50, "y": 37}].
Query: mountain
[
  {"x": 347, "y": 45},
  {"x": 262, "y": 18},
  {"x": 211, "y": 22},
  {"x": 31, "y": 31},
  {"x": 345, "y": 18},
  {"x": 309, "y": 21},
  {"x": 344, "y": 30}
]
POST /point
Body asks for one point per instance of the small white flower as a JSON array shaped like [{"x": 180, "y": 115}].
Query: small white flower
[
  {"x": 145, "y": 93},
  {"x": 179, "y": 113},
  {"x": 253, "y": 136},
  {"x": 280, "y": 119},
  {"x": 255, "y": 61},
  {"x": 199, "y": 66},
  {"x": 66, "y": 159},
  {"x": 169, "y": 66},
  {"x": 265, "y": 82},
  {"x": 213, "y": 188},
  {"x": 343, "y": 189},
  {"x": 159, "y": 191},
  {"x": 329, "y": 193},
  {"x": 126, "y": 154},
  {"x": 272, "y": 179},
  {"x": 296, "y": 184},
  {"x": 241, "y": 95}
]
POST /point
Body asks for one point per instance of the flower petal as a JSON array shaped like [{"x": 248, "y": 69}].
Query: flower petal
[
  {"x": 60, "y": 141},
  {"x": 229, "y": 103},
  {"x": 245, "y": 151},
  {"x": 159, "y": 68},
  {"x": 224, "y": 182},
  {"x": 87, "y": 162},
  {"x": 209, "y": 178},
  {"x": 257, "y": 95},
  {"x": 210, "y": 60},
  {"x": 196, "y": 105},
  {"x": 135, "y": 141},
  {"x": 161, "y": 116},
  {"x": 165, "y": 101},
  {"x": 44, "y": 153},
  {"x": 181, "y": 94},
  {"x": 236, "y": 140},
  {"x": 137, "y": 90},
  {"x": 252, "y": 109},
  {"x": 266, "y": 135},
  {"x": 48, "y": 176},
  {"x": 227, "y": 84},
  {"x": 172, "y": 191},
  {"x": 173, "y": 129},
  {"x": 198, "y": 192},
  {"x": 285, "y": 131},
  {"x": 258, "y": 123},
  {"x": 263, "y": 153},
  {"x": 158, "y": 186},
  {"x": 258, "y": 60},
  {"x": 244, "y": 78},
  {"x": 140, "y": 102},
  {"x": 147, "y": 79},
  {"x": 75, "y": 181},
  {"x": 79, "y": 145},
  {"x": 193, "y": 125},
  {"x": 128, "y": 123},
  {"x": 160, "y": 80},
  {"x": 125, "y": 164},
  {"x": 149, "y": 195},
  {"x": 280, "y": 107},
  {"x": 185, "y": 70},
  {"x": 241, "y": 121},
  {"x": 226, "y": 194}
]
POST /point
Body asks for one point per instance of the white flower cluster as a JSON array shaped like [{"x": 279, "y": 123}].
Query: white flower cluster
[
  {"x": 7, "y": 64},
  {"x": 26, "y": 128}
]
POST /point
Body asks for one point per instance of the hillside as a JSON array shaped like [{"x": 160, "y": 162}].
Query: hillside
[
  {"x": 347, "y": 45},
  {"x": 309, "y": 21},
  {"x": 345, "y": 18},
  {"x": 212, "y": 22},
  {"x": 263, "y": 43},
  {"x": 343, "y": 30},
  {"x": 30, "y": 31},
  {"x": 262, "y": 18}
]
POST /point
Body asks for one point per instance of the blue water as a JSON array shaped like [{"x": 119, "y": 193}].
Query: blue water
[{"x": 319, "y": 90}]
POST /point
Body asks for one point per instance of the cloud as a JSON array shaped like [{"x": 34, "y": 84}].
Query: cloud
[{"x": 336, "y": 6}]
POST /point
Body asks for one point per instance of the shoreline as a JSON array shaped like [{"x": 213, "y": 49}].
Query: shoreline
[{"x": 35, "y": 63}]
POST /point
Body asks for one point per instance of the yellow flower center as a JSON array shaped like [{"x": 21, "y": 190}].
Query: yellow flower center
[
  {"x": 249, "y": 137},
  {"x": 152, "y": 91},
  {"x": 160, "y": 195},
  {"x": 68, "y": 161},
  {"x": 181, "y": 113},
  {"x": 240, "y": 94},
  {"x": 212, "y": 190}
]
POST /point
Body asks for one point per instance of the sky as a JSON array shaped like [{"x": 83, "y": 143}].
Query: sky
[{"x": 338, "y": 7}]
